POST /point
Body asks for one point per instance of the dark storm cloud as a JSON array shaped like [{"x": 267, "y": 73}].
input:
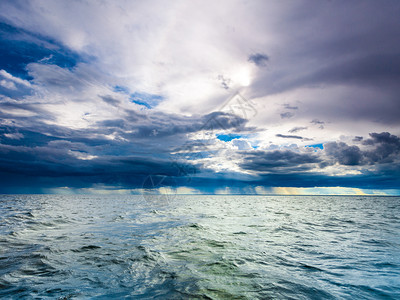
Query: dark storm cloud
[
  {"x": 93, "y": 162},
  {"x": 258, "y": 59},
  {"x": 33, "y": 151},
  {"x": 279, "y": 161},
  {"x": 383, "y": 138},
  {"x": 343, "y": 153},
  {"x": 128, "y": 172},
  {"x": 383, "y": 154},
  {"x": 387, "y": 148},
  {"x": 55, "y": 161},
  {"x": 383, "y": 148},
  {"x": 295, "y": 169},
  {"x": 162, "y": 125}
]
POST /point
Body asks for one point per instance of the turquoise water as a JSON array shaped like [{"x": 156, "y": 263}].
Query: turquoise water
[{"x": 199, "y": 247}]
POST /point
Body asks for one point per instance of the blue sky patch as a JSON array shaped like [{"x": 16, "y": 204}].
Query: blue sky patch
[
  {"x": 19, "y": 48},
  {"x": 145, "y": 99},
  {"x": 228, "y": 137},
  {"x": 320, "y": 146},
  {"x": 121, "y": 89}
]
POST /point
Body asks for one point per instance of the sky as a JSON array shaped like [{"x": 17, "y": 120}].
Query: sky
[{"x": 224, "y": 97}]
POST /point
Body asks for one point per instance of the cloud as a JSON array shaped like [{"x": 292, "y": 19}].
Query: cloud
[
  {"x": 258, "y": 59},
  {"x": 86, "y": 101},
  {"x": 382, "y": 138},
  {"x": 286, "y": 115},
  {"x": 14, "y": 136},
  {"x": 225, "y": 82},
  {"x": 344, "y": 154},
  {"x": 288, "y": 106},
  {"x": 289, "y": 136},
  {"x": 317, "y": 122},
  {"x": 279, "y": 161},
  {"x": 20, "y": 47},
  {"x": 387, "y": 148},
  {"x": 110, "y": 100},
  {"x": 297, "y": 129},
  {"x": 14, "y": 79},
  {"x": 12, "y": 86},
  {"x": 383, "y": 148},
  {"x": 376, "y": 69},
  {"x": 242, "y": 144},
  {"x": 8, "y": 84}
]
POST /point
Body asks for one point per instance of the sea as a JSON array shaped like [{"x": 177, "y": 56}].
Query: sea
[{"x": 199, "y": 247}]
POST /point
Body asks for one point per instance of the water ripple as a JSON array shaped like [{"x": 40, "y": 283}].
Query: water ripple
[{"x": 199, "y": 247}]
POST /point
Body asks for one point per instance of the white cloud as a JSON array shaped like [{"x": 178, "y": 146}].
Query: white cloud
[
  {"x": 13, "y": 79},
  {"x": 241, "y": 144},
  {"x": 179, "y": 49},
  {"x": 176, "y": 49},
  {"x": 8, "y": 84},
  {"x": 14, "y": 136}
]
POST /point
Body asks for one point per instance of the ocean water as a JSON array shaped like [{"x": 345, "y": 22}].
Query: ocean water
[{"x": 199, "y": 247}]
